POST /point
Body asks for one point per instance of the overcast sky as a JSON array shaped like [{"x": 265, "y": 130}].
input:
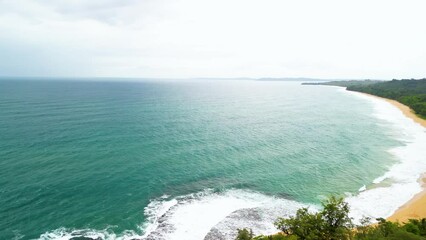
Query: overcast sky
[{"x": 381, "y": 39}]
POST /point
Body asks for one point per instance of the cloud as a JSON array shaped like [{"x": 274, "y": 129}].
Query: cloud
[{"x": 190, "y": 38}]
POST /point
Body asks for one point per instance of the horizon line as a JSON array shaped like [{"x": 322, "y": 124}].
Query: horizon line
[{"x": 191, "y": 78}]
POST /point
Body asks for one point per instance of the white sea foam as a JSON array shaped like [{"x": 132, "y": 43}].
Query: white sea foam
[
  {"x": 379, "y": 179},
  {"x": 191, "y": 217},
  {"x": 67, "y": 234},
  {"x": 383, "y": 201},
  {"x": 194, "y": 215},
  {"x": 154, "y": 211}
]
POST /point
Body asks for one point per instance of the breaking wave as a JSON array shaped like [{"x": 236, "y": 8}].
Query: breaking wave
[
  {"x": 193, "y": 217},
  {"x": 215, "y": 215},
  {"x": 382, "y": 200}
]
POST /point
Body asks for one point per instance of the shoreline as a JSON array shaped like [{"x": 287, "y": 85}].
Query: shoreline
[
  {"x": 407, "y": 111},
  {"x": 416, "y": 206}
]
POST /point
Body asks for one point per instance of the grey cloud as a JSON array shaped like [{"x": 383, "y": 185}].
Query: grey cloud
[
  {"x": 106, "y": 11},
  {"x": 75, "y": 7}
]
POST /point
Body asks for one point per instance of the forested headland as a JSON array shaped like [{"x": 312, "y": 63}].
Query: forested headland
[{"x": 411, "y": 92}]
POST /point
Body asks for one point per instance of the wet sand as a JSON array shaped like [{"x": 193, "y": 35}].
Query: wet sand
[{"x": 415, "y": 208}]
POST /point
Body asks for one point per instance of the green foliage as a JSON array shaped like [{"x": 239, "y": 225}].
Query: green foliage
[
  {"x": 275, "y": 237},
  {"x": 247, "y": 234},
  {"x": 329, "y": 224},
  {"x": 347, "y": 83},
  {"x": 402, "y": 235},
  {"x": 420, "y": 224},
  {"x": 412, "y": 228},
  {"x": 333, "y": 223},
  {"x": 385, "y": 230},
  {"x": 244, "y": 234},
  {"x": 335, "y": 213},
  {"x": 410, "y": 92},
  {"x": 304, "y": 225}
]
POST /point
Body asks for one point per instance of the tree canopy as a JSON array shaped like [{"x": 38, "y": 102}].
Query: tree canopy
[
  {"x": 333, "y": 223},
  {"x": 410, "y": 92}
]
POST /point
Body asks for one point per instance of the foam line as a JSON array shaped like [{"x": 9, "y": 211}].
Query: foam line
[
  {"x": 384, "y": 201},
  {"x": 191, "y": 217}
]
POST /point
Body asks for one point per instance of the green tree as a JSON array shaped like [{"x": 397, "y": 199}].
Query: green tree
[
  {"x": 338, "y": 224},
  {"x": 304, "y": 225},
  {"x": 244, "y": 234},
  {"x": 332, "y": 223}
]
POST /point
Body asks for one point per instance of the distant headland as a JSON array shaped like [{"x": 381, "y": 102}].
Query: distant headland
[{"x": 410, "y": 92}]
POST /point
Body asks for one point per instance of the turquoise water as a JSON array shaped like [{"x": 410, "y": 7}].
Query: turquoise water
[{"x": 94, "y": 154}]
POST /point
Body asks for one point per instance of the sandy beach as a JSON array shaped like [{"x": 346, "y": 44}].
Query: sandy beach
[{"x": 416, "y": 207}]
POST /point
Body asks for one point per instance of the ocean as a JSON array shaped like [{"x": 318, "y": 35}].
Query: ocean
[{"x": 193, "y": 159}]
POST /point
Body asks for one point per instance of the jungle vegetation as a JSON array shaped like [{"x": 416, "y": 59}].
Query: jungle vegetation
[
  {"x": 333, "y": 223},
  {"x": 411, "y": 92}
]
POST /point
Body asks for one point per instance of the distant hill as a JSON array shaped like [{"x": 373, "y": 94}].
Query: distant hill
[
  {"x": 345, "y": 83},
  {"x": 304, "y": 79},
  {"x": 291, "y": 79},
  {"x": 411, "y": 92}
]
